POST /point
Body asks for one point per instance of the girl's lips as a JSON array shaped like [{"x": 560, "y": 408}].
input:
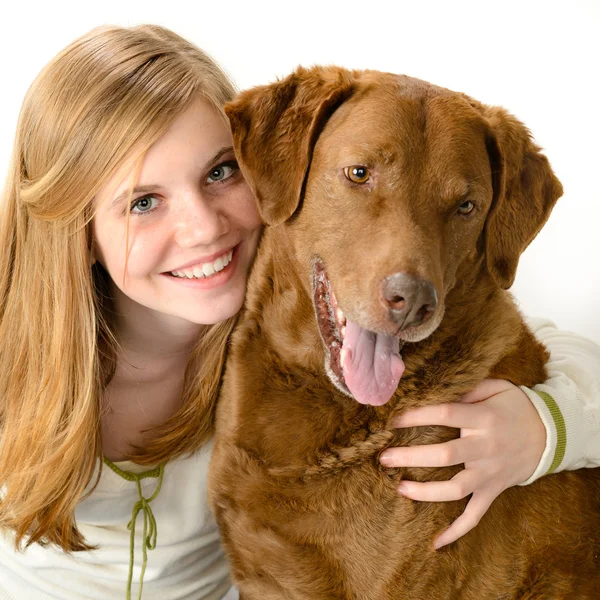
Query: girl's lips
[
  {"x": 205, "y": 259},
  {"x": 215, "y": 280}
]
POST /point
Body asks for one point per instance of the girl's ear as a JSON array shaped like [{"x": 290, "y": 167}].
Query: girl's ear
[{"x": 275, "y": 128}]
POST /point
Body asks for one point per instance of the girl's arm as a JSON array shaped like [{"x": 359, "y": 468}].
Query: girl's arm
[
  {"x": 568, "y": 402},
  {"x": 510, "y": 435}
]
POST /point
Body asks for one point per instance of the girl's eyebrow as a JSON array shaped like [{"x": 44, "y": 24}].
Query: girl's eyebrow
[
  {"x": 139, "y": 189},
  {"x": 146, "y": 189},
  {"x": 219, "y": 154}
]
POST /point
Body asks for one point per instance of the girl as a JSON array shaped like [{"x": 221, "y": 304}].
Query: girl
[{"x": 126, "y": 235}]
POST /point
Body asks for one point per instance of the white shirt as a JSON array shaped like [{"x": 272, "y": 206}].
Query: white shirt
[
  {"x": 187, "y": 563},
  {"x": 572, "y": 416}
]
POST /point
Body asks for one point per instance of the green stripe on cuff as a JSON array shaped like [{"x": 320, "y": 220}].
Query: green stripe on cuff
[{"x": 561, "y": 430}]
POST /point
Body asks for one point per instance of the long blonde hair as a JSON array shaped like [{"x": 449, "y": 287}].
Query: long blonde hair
[{"x": 109, "y": 92}]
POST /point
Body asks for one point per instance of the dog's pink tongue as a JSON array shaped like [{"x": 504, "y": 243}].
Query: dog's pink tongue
[{"x": 371, "y": 364}]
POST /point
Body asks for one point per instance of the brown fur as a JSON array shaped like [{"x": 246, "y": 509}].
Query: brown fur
[{"x": 305, "y": 510}]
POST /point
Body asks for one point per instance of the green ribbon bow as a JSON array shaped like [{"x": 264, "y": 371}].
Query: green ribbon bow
[{"x": 150, "y": 530}]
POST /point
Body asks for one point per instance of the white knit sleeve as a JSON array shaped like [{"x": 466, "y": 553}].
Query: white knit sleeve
[{"x": 569, "y": 401}]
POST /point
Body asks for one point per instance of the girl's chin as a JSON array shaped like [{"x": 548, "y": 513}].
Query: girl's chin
[{"x": 212, "y": 314}]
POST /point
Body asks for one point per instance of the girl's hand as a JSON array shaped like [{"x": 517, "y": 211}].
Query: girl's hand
[{"x": 502, "y": 439}]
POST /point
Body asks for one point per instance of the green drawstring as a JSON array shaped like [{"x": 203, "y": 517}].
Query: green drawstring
[{"x": 143, "y": 504}]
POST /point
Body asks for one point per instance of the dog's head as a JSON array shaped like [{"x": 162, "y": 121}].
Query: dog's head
[{"x": 389, "y": 187}]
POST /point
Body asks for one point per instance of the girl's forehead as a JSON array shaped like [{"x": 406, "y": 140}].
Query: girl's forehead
[{"x": 188, "y": 145}]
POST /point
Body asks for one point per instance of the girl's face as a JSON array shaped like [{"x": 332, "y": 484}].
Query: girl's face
[{"x": 193, "y": 224}]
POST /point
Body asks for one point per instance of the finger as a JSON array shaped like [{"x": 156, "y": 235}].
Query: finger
[
  {"x": 476, "y": 508},
  {"x": 458, "y": 487},
  {"x": 454, "y": 452},
  {"x": 450, "y": 415},
  {"x": 484, "y": 390}
]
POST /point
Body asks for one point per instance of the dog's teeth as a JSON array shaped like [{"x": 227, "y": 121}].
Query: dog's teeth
[
  {"x": 343, "y": 331},
  {"x": 339, "y": 314},
  {"x": 343, "y": 355}
]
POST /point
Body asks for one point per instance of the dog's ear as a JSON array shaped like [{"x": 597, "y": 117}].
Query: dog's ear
[
  {"x": 275, "y": 128},
  {"x": 525, "y": 191}
]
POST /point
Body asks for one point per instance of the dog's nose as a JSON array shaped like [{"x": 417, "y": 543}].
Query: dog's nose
[{"x": 410, "y": 300}]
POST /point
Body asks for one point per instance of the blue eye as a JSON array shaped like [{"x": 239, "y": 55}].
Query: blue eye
[
  {"x": 222, "y": 172},
  {"x": 144, "y": 204}
]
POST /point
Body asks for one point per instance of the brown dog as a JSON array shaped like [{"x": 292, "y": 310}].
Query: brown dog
[{"x": 397, "y": 212}]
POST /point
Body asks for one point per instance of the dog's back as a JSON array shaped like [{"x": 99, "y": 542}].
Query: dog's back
[{"x": 397, "y": 213}]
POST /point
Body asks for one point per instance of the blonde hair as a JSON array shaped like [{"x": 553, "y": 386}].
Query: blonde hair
[{"x": 109, "y": 92}]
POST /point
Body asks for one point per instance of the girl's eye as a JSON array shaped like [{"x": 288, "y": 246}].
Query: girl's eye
[
  {"x": 357, "y": 174},
  {"x": 466, "y": 207},
  {"x": 222, "y": 172},
  {"x": 144, "y": 204}
]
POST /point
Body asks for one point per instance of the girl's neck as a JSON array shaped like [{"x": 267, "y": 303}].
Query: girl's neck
[{"x": 146, "y": 389}]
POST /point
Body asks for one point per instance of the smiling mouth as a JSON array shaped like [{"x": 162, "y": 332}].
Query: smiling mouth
[
  {"x": 205, "y": 270},
  {"x": 361, "y": 363}
]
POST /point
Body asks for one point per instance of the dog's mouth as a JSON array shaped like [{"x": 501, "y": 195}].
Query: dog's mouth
[{"x": 362, "y": 364}]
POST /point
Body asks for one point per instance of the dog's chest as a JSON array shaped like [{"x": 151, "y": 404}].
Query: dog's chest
[{"x": 331, "y": 528}]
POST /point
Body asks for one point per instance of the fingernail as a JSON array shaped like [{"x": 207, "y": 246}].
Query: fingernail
[
  {"x": 402, "y": 488},
  {"x": 438, "y": 544},
  {"x": 385, "y": 458}
]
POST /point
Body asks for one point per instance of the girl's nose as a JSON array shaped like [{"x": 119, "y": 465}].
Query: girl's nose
[{"x": 201, "y": 225}]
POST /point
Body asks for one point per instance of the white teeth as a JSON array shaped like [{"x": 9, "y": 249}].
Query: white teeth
[
  {"x": 343, "y": 356},
  {"x": 219, "y": 264},
  {"x": 206, "y": 269},
  {"x": 340, "y": 322}
]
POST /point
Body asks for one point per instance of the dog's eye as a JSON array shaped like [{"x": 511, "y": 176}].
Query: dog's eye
[
  {"x": 357, "y": 174},
  {"x": 466, "y": 207}
]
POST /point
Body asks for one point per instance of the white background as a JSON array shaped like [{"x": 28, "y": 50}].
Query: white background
[{"x": 540, "y": 59}]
